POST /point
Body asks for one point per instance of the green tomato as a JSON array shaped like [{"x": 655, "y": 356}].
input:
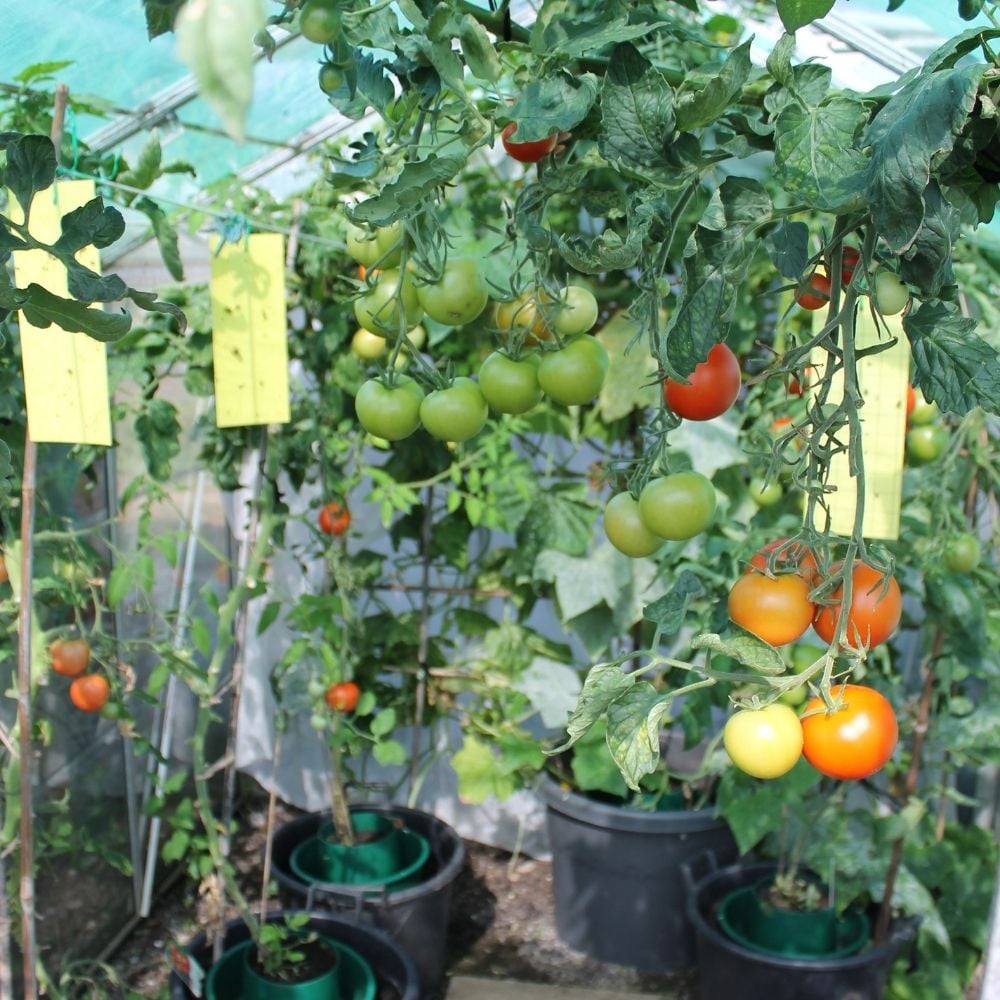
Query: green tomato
[
  {"x": 378, "y": 308},
  {"x": 459, "y": 296},
  {"x": 316, "y": 688},
  {"x": 367, "y": 345},
  {"x": 388, "y": 412},
  {"x": 923, "y": 412},
  {"x": 805, "y": 654},
  {"x": 510, "y": 386},
  {"x": 678, "y": 506},
  {"x": 318, "y": 721},
  {"x": 926, "y": 443},
  {"x": 456, "y": 413},
  {"x": 765, "y": 494},
  {"x": 320, "y": 21},
  {"x": 962, "y": 553},
  {"x": 380, "y": 246},
  {"x": 625, "y": 529},
  {"x": 331, "y": 78},
  {"x": 575, "y": 374},
  {"x": 889, "y": 293},
  {"x": 795, "y": 697},
  {"x": 576, "y": 311},
  {"x": 765, "y": 743}
]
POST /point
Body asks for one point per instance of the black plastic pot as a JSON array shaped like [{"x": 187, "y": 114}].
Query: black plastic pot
[
  {"x": 616, "y": 873},
  {"x": 417, "y": 917},
  {"x": 725, "y": 965},
  {"x": 396, "y": 975}
]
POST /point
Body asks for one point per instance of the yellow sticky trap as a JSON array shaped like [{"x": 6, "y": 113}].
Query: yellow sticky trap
[
  {"x": 249, "y": 332},
  {"x": 65, "y": 374},
  {"x": 883, "y": 379}
]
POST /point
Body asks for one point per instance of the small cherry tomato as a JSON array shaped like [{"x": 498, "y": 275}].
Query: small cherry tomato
[
  {"x": 764, "y": 743},
  {"x": 678, "y": 506},
  {"x": 922, "y": 412},
  {"x": 889, "y": 293},
  {"x": 625, "y": 529},
  {"x": 776, "y": 609},
  {"x": 855, "y": 740},
  {"x": 527, "y": 152},
  {"x": 873, "y": 616},
  {"x": 343, "y": 696},
  {"x": 70, "y": 657},
  {"x": 849, "y": 258},
  {"x": 926, "y": 443},
  {"x": 89, "y": 692},
  {"x": 962, "y": 553},
  {"x": 765, "y": 494},
  {"x": 334, "y": 518},
  {"x": 817, "y": 294},
  {"x": 711, "y": 388}
]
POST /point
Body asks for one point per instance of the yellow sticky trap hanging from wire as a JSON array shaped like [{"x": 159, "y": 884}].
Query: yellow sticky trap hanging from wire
[
  {"x": 882, "y": 378},
  {"x": 250, "y": 332},
  {"x": 65, "y": 374}
]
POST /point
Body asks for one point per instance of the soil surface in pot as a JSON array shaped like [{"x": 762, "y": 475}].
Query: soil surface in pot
[{"x": 502, "y": 924}]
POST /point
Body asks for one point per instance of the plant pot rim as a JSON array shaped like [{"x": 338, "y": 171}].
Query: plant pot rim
[
  {"x": 440, "y": 879},
  {"x": 586, "y": 810},
  {"x": 900, "y": 929}
]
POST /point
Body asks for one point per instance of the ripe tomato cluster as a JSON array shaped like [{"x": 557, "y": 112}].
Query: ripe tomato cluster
[
  {"x": 852, "y": 740},
  {"x": 70, "y": 658},
  {"x": 772, "y": 599}
]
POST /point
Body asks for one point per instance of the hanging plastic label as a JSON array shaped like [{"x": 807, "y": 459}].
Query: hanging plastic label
[
  {"x": 250, "y": 331},
  {"x": 65, "y": 374},
  {"x": 882, "y": 378}
]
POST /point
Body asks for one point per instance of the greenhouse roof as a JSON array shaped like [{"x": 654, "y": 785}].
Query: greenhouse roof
[{"x": 111, "y": 63}]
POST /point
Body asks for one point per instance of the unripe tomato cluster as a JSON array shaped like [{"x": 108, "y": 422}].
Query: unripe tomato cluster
[{"x": 852, "y": 740}]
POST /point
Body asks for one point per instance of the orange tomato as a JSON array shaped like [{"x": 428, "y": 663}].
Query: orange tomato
[
  {"x": 334, "y": 518},
  {"x": 873, "y": 616},
  {"x": 776, "y": 609},
  {"x": 89, "y": 692},
  {"x": 70, "y": 657}
]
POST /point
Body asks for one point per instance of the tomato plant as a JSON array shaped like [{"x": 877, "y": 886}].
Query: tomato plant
[
  {"x": 455, "y": 413},
  {"x": 70, "y": 657},
  {"x": 89, "y": 692},
  {"x": 873, "y": 615},
  {"x": 855, "y": 739},
  {"x": 711, "y": 388},
  {"x": 765, "y": 743},
  {"x": 817, "y": 294},
  {"x": 625, "y": 529},
  {"x": 390, "y": 412},
  {"x": 776, "y": 609},
  {"x": 459, "y": 296},
  {"x": 678, "y": 506},
  {"x": 343, "y": 696},
  {"x": 510, "y": 385},
  {"x": 334, "y": 518},
  {"x": 574, "y": 374},
  {"x": 530, "y": 151},
  {"x": 575, "y": 311},
  {"x": 890, "y": 295}
]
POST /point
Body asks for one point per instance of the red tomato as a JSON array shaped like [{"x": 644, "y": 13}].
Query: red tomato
[
  {"x": 343, "y": 697},
  {"x": 793, "y": 558},
  {"x": 89, "y": 692},
  {"x": 817, "y": 294},
  {"x": 873, "y": 616},
  {"x": 795, "y": 388},
  {"x": 527, "y": 152},
  {"x": 334, "y": 518},
  {"x": 70, "y": 656},
  {"x": 776, "y": 609},
  {"x": 712, "y": 387},
  {"x": 854, "y": 741},
  {"x": 849, "y": 258},
  {"x": 911, "y": 400}
]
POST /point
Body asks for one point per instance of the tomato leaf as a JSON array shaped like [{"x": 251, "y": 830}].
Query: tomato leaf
[
  {"x": 629, "y": 384},
  {"x": 668, "y": 612},
  {"x": 797, "y": 14},
  {"x": 953, "y": 366},
  {"x": 158, "y": 431},
  {"x": 166, "y": 237},
  {"x": 788, "y": 247},
  {"x": 31, "y": 167},
  {"x": 598, "y": 35},
  {"x": 815, "y": 158},
  {"x": 93, "y": 223},
  {"x": 553, "y": 104},
  {"x": 553, "y": 688},
  {"x": 602, "y": 685},
  {"x": 480, "y": 772},
  {"x": 415, "y": 182},
  {"x": 633, "y": 734},
  {"x": 918, "y": 125},
  {"x": 120, "y": 583},
  {"x": 706, "y": 94},
  {"x": 637, "y": 115},
  {"x": 268, "y": 616},
  {"x": 716, "y": 260},
  {"x": 745, "y": 648},
  {"x": 927, "y": 264},
  {"x": 160, "y": 15},
  {"x": 42, "y": 308},
  {"x": 388, "y": 752},
  {"x": 147, "y": 166},
  {"x": 480, "y": 55}
]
